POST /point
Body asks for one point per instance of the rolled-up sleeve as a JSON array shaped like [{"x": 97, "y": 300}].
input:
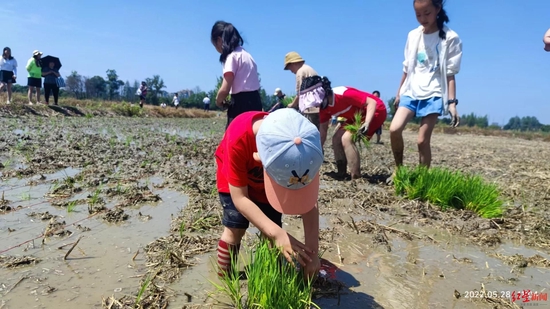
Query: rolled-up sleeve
[{"x": 454, "y": 55}]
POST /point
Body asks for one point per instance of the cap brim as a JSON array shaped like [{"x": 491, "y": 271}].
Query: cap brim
[{"x": 291, "y": 202}]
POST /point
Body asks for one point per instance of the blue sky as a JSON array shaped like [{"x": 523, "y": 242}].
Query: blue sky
[{"x": 355, "y": 43}]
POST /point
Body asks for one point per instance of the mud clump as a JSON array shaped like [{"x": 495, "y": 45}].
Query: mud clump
[
  {"x": 14, "y": 262},
  {"x": 42, "y": 215},
  {"x": 115, "y": 215},
  {"x": 56, "y": 228}
]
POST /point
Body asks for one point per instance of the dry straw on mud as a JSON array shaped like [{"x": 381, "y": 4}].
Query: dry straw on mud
[
  {"x": 449, "y": 189},
  {"x": 271, "y": 283}
]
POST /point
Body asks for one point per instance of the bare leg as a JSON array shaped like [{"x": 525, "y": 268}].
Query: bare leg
[
  {"x": 352, "y": 155},
  {"x": 398, "y": 123},
  {"x": 29, "y": 94},
  {"x": 339, "y": 153},
  {"x": 9, "y": 92},
  {"x": 424, "y": 137},
  {"x": 37, "y": 95},
  {"x": 378, "y": 138}
]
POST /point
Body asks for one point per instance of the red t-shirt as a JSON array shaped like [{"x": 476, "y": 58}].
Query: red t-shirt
[
  {"x": 235, "y": 161},
  {"x": 347, "y": 102}
]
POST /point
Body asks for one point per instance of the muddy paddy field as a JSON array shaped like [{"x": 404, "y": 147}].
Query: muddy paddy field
[{"x": 122, "y": 213}]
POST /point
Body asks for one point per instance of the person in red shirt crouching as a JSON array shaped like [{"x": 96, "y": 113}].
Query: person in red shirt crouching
[
  {"x": 268, "y": 165},
  {"x": 346, "y": 102}
]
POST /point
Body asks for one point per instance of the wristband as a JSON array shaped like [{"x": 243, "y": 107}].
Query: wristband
[{"x": 455, "y": 101}]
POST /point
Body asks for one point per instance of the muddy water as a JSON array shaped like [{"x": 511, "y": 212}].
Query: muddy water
[
  {"x": 100, "y": 266},
  {"x": 414, "y": 274}
]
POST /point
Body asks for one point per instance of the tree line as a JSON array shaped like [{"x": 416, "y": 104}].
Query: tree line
[{"x": 112, "y": 88}]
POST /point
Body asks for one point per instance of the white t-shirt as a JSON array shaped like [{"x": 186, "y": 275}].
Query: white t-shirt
[
  {"x": 243, "y": 66},
  {"x": 176, "y": 100},
  {"x": 206, "y": 100},
  {"x": 426, "y": 79},
  {"x": 8, "y": 65}
]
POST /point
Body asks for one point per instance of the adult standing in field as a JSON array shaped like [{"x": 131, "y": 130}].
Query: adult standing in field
[
  {"x": 240, "y": 73},
  {"x": 308, "y": 87},
  {"x": 376, "y": 93},
  {"x": 34, "y": 81},
  {"x": 546, "y": 40},
  {"x": 279, "y": 97},
  {"x": 8, "y": 71},
  {"x": 206, "y": 102},
  {"x": 50, "y": 82},
  {"x": 268, "y": 165},
  {"x": 142, "y": 93},
  {"x": 176, "y": 100},
  {"x": 433, "y": 54},
  {"x": 345, "y": 103}
]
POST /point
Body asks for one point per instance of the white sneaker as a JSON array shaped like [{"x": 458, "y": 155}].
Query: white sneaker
[
  {"x": 8, "y": 102},
  {"x": 30, "y": 103}
]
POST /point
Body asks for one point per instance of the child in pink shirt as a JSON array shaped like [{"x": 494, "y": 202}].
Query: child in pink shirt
[{"x": 240, "y": 73}]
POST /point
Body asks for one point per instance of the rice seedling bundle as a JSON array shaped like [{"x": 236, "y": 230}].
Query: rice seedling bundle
[{"x": 449, "y": 189}]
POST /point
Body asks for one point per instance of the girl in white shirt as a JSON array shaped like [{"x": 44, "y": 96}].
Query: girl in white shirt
[
  {"x": 8, "y": 71},
  {"x": 433, "y": 53}
]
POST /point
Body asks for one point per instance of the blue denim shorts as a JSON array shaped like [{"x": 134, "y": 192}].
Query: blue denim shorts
[
  {"x": 423, "y": 108},
  {"x": 232, "y": 218}
]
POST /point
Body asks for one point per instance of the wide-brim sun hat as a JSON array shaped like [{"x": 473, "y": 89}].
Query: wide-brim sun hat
[
  {"x": 289, "y": 146},
  {"x": 292, "y": 57}
]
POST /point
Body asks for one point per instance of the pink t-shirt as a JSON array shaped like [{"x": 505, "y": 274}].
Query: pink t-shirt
[{"x": 241, "y": 63}]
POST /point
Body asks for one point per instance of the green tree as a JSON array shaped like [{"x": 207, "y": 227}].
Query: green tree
[
  {"x": 96, "y": 87},
  {"x": 74, "y": 85},
  {"x": 113, "y": 84},
  {"x": 155, "y": 84}
]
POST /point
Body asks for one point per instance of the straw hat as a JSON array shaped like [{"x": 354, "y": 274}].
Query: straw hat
[{"x": 292, "y": 57}]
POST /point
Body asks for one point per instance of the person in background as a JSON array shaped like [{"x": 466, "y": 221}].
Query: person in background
[
  {"x": 206, "y": 102},
  {"x": 176, "y": 100},
  {"x": 308, "y": 87},
  {"x": 376, "y": 93},
  {"x": 50, "y": 83},
  {"x": 344, "y": 103},
  {"x": 34, "y": 81},
  {"x": 427, "y": 89},
  {"x": 8, "y": 71},
  {"x": 240, "y": 73},
  {"x": 142, "y": 94},
  {"x": 546, "y": 40},
  {"x": 279, "y": 97},
  {"x": 268, "y": 165}
]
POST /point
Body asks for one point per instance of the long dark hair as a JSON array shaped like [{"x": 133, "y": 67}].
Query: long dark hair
[
  {"x": 328, "y": 91},
  {"x": 4, "y": 51},
  {"x": 230, "y": 36},
  {"x": 442, "y": 17}
]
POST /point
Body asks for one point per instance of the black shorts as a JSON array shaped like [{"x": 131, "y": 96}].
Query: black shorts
[
  {"x": 34, "y": 82},
  {"x": 243, "y": 102},
  {"x": 142, "y": 97},
  {"x": 6, "y": 77},
  {"x": 232, "y": 218},
  {"x": 379, "y": 131}
]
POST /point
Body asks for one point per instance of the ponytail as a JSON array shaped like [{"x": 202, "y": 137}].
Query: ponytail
[
  {"x": 231, "y": 38},
  {"x": 328, "y": 91},
  {"x": 442, "y": 18}
]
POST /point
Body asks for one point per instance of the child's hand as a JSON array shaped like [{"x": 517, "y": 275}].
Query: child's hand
[
  {"x": 291, "y": 247},
  {"x": 312, "y": 268}
]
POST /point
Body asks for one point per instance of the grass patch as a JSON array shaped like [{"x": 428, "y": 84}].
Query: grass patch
[
  {"x": 271, "y": 284},
  {"x": 449, "y": 189}
]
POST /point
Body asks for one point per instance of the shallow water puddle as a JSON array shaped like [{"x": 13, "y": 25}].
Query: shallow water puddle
[
  {"x": 100, "y": 265},
  {"x": 413, "y": 274}
]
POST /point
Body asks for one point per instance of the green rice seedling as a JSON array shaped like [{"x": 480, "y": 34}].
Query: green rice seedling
[
  {"x": 26, "y": 196},
  {"x": 142, "y": 290},
  {"x": 272, "y": 282},
  {"x": 449, "y": 189},
  {"x": 356, "y": 136},
  {"x": 71, "y": 206}
]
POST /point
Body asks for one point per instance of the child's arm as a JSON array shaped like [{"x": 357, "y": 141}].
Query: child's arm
[
  {"x": 371, "y": 110},
  {"x": 30, "y": 64},
  {"x": 252, "y": 212},
  {"x": 223, "y": 92},
  {"x": 311, "y": 234},
  {"x": 323, "y": 132}
]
